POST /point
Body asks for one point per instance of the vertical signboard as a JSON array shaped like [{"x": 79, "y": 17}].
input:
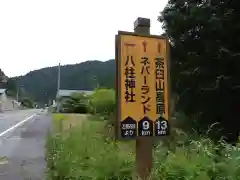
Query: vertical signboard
[
  {"x": 161, "y": 126},
  {"x": 142, "y": 85}
]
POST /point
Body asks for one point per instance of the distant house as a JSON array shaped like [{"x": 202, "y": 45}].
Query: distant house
[
  {"x": 3, "y": 99},
  {"x": 68, "y": 93},
  {"x": 63, "y": 94}
]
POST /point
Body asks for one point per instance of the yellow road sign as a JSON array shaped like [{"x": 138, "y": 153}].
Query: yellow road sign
[{"x": 142, "y": 85}]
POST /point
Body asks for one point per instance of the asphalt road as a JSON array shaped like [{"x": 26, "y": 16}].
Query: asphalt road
[{"x": 23, "y": 147}]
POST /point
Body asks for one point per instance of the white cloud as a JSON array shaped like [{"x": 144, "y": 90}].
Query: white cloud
[{"x": 35, "y": 34}]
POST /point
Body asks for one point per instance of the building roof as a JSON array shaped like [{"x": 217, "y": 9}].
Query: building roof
[
  {"x": 65, "y": 92},
  {"x": 2, "y": 91}
]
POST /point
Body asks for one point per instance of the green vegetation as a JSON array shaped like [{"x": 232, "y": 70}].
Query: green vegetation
[
  {"x": 82, "y": 147},
  {"x": 84, "y": 152},
  {"x": 205, "y": 63},
  {"x": 41, "y": 84},
  {"x": 102, "y": 101},
  {"x": 8, "y": 84},
  {"x": 59, "y": 117},
  {"x": 27, "y": 102},
  {"x": 204, "y": 50},
  {"x": 3, "y": 78},
  {"x": 11, "y": 90},
  {"x": 204, "y": 67},
  {"x": 76, "y": 103}
]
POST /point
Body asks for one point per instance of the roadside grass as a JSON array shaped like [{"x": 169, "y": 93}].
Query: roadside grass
[
  {"x": 85, "y": 154},
  {"x": 65, "y": 122},
  {"x": 83, "y": 151}
]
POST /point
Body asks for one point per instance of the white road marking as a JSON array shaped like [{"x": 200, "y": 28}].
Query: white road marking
[
  {"x": 3, "y": 162},
  {"x": 16, "y": 125}
]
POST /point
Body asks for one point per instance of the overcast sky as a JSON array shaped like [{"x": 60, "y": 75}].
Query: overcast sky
[{"x": 40, "y": 33}]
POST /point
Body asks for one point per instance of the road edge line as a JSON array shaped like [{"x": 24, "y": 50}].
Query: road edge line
[{"x": 16, "y": 125}]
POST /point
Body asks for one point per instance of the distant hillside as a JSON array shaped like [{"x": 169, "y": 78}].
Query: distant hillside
[
  {"x": 3, "y": 79},
  {"x": 8, "y": 84},
  {"x": 42, "y": 84}
]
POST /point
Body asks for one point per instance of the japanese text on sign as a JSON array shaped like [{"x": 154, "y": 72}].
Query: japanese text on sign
[
  {"x": 161, "y": 124},
  {"x": 130, "y": 79},
  {"x": 159, "y": 62},
  {"x": 145, "y": 125},
  {"x": 145, "y": 88},
  {"x": 142, "y": 85}
]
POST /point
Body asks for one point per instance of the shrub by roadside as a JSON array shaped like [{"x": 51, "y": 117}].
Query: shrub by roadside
[
  {"x": 76, "y": 103},
  {"x": 88, "y": 151},
  {"x": 84, "y": 153},
  {"x": 102, "y": 102}
]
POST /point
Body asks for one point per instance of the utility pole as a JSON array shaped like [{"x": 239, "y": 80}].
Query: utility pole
[
  {"x": 17, "y": 94},
  {"x": 96, "y": 84},
  {"x": 58, "y": 87}
]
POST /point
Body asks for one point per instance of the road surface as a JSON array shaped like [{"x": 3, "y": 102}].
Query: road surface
[{"x": 22, "y": 141}]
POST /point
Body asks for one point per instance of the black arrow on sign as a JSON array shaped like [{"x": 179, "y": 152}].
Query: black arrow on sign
[
  {"x": 129, "y": 44},
  {"x": 144, "y": 43},
  {"x": 159, "y": 48}
]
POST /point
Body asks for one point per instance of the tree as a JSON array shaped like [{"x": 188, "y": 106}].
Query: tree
[
  {"x": 3, "y": 79},
  {"x": 76, "y": 103},
  {"x": 102, "y": 101},
  {"x": 27, "y": 102},
  {"x": 93, "y": 73},
  {"x": 11, "y": 87},
  {"x": 205, "y": 61}
]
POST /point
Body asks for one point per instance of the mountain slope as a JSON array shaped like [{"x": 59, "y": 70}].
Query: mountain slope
[
  {"x": 3, "y": 79},
  {"x": 42, "y": 84},
  {"x": 9, "y": 85}
]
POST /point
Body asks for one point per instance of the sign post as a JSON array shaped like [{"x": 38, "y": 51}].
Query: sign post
[{"x": 142, "y": 90}]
